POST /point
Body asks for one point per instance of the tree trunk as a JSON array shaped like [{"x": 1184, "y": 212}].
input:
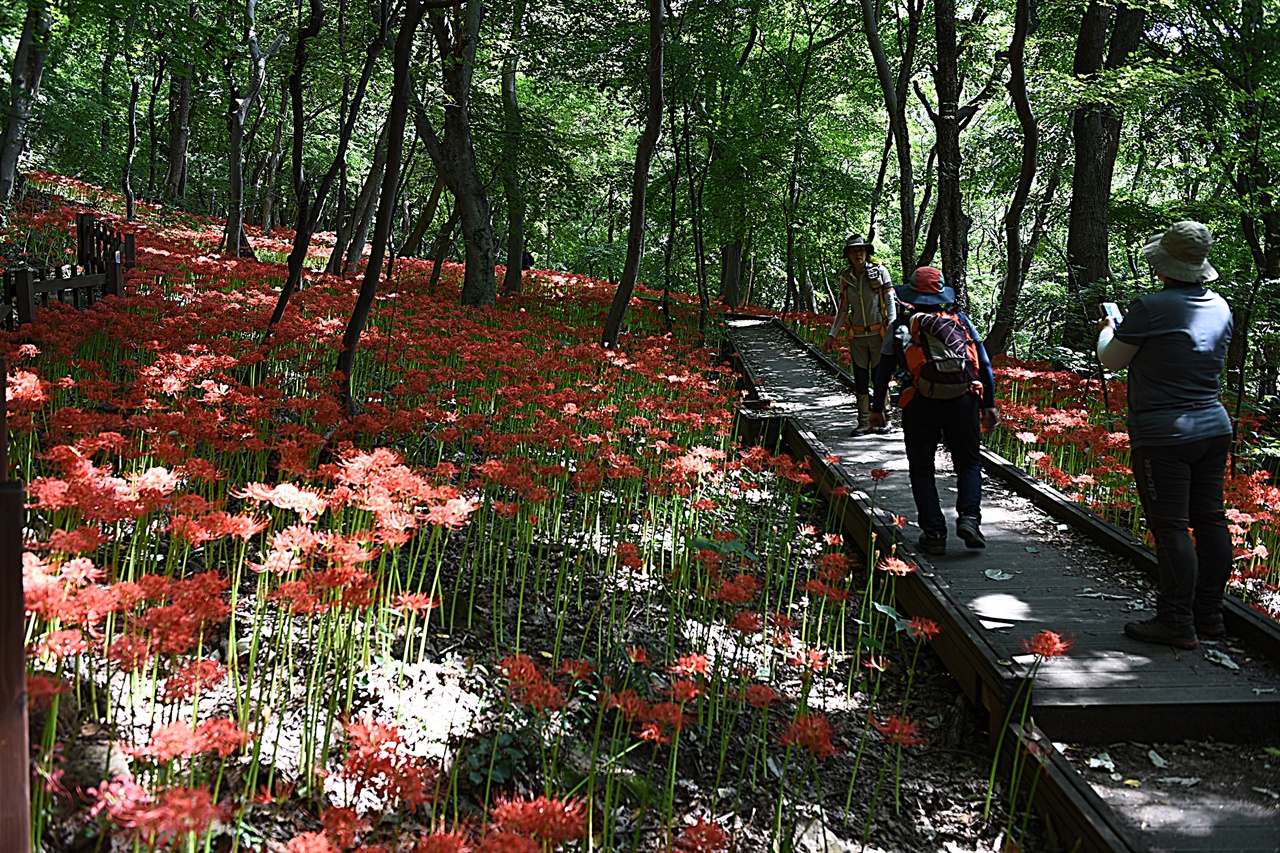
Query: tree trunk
[
  {"x": 453, "y": 153},
  {"x": 640, "y": 179},
  {"x": 28, "y": 68},
  {"x": 895, "y": 105},
  {"x": 153, "y": 136},
  {"x": 731, "y": 273},
  {"x": 175, "y": 178},
  {"x": 129, "y": 214},
  {"x": 366, "y": 202},
  {"x": 268, "y": 181},
  {"x": 513, "y": 128},
  {"x": 1095, "y": 131},
  {"x": 399, "y": 108},
  {"x": 413, "y": 245},
  {"x": 1025, "y": 22},
  {"x": 952, "y": 224}
]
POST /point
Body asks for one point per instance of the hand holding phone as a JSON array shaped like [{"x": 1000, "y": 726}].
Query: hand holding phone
[{"x": 1111, "y": 311}]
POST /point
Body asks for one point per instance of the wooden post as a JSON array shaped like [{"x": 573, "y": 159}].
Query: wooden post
[
  {"x": 114, "y": 285},
  {"x": 84, "y": 233},
  {"x": 15, "y": 751},
  {"x": 24, "y": 295},
  {"x": 130, "y": 251}
]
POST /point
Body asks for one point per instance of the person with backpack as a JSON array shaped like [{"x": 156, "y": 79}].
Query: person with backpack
[
  {"x": 949, "y": 393},
  {"x": 867, "y": 304},
  {"x": 1174, "y": 342}
]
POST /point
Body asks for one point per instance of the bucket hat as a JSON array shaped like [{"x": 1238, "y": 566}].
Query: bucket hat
[
  {"x": 1182, "y": 252},
  {"x": 928, "y": 287},
  {"x": 855, "y": 241}
]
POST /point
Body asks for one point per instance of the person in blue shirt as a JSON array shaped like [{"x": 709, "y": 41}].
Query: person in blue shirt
[
  {"x": 927, "y": 420},
  {"x": 1174, "y": 342}
]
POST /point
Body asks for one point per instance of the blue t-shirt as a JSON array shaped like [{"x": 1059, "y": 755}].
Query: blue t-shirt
[{"x": 1182, "y": 333}]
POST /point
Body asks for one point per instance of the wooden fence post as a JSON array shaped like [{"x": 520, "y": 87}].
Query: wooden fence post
[
  {"x": 130, "y": 251},
  {"x": 15, "y": 751},
  {"x": 114, "y": 285},
  {"x": 24, "y": 295},
  {"x": 84, "y": 232}
]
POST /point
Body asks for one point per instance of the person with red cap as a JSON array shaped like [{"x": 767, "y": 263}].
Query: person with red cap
[{"x": 950, "y": 395}]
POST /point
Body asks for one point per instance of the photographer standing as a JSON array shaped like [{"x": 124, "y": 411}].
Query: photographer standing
[{"x": 1174, "y": 343}]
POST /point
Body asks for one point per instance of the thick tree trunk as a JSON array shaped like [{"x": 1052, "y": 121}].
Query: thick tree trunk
[
  {"x": 731, "y": 273},
  {"x": 1025, "y": 22},
  {"x": 28, "y": 68},
  {"x": 399, "y": 108},
  {"x": 1095, "y": 131},
  {"x": 453, "y": 153},
  {"x": 953, "y": 230},
  {"x": 640, "y": 179},
  {"x": 175, "y": 178},
  {"x": 513, "y": 128}
]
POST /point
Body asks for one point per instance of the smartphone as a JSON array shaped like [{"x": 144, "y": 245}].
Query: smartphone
[{"x": 1110, "y": 310}]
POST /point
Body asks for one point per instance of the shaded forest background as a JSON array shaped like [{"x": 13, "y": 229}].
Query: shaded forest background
[{"x": 1028, "y": 147}]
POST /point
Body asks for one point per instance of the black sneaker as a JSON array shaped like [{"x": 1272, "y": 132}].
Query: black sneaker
[
  {"x": 967, "y": 529},
  {"x": 933, "y": 545},
  {"x": 1155, "y": 631}
]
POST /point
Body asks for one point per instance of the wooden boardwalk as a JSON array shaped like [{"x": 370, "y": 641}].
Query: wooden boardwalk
[{"x": 1041, "y": 573}]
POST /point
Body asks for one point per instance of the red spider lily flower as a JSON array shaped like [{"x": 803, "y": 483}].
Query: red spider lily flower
[
  {"x": 761, "y": 696},
  {"x": 653, "y": 732},
  {"x": 443, "y": 841},
  {"x": 638, "y": 654},
  {"x": 898, "y": 730},
  {"x": 879, "y": 474},
  {"x": 833, "y": 566},
  {"x": 1048, "y": 644},
  {"x": 923, "y": 629},
  {"x": 172, "y": 813},
  {"x": 811, "y": 732},
  {"x": 834, "y": 540},
  {"x": 310, "y": 842},
  {"x": 42, "y": 688},
  {"x": 553, "y": 821},
  {"x": 668, "y": 715},
  {"x": 416, "y": 602},
  {"x": 576, "y": 670},
  {"x": 895, "y": 566},
  {"x": 900, "y": 521},
  {"x": 747, "y": 622},
  {"x": 78, "y": 541},
  {"x": 740, "y": 590},
  {"x": 342, "y": 824},
  {"x": 629, "y": 703},
  {"x": 815, "y": 660},
  {"x": 179, "y": 739},
  {"x": 880, "y": 664},
  {"x": 825, "y": 590},
  {"x": 376, "y": 761},
  {"x": 683, "y": 691},
  {"x": 629, "y": 556},
  {"x": 65, "y": 643},
  {"x": 690, "y": 664},
  {"x": 702, "y": 836}
]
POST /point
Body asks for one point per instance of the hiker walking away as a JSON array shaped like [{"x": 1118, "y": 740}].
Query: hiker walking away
[
  {"x": 868, "y": 306},
  {"x": 951, "y": 396},
  {"x": 1174, "y": 342}
]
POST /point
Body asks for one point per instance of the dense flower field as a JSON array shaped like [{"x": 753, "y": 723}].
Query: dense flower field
[{"x": 514, "y": 604}]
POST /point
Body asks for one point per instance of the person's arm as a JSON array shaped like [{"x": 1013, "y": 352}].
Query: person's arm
[
  {"x": 990, "y": 417},
  {"x": 1114, "y": 353},
  {"x": 840, "y": 314},
  {"x": 887, "y": 294}
]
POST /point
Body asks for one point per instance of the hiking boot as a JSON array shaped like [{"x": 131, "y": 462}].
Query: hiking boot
[
  {"x": 1155, "y": 631},
  {"x": 1211, "y": 630},
  {"x": 967, "y": 529},
  {"x": 935, "y": 545}
]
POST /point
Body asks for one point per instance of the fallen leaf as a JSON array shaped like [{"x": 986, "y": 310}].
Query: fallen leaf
[
  {"x": 1184, "y": 781},
  {"x": 1133, "y": 783},
  {"x": 1220, "y": 658},
  {"x": 997, "y": 575},
  {"x": 1102, "y": 761},
  {"x": 1156, "y": 759}
]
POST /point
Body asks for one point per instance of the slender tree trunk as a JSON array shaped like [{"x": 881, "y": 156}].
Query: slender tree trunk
[
  {"x": 153, "y": 135},
  {"x": 175, "y": 178},
  {"x": 640, "y": 180},
  {"x": 28, "y": 68},
  {"x": 413, "y": 245},
  {"x": 399, "y": 108},
  {"x": 1025, "y": 21},
  {"x": 366, "y": 204},
  {"x": 895, "y": 105},
  {"x": 513, "y": 129},
  {"x": 131, "y": 150},
  {"x": 268, "y": 180}
]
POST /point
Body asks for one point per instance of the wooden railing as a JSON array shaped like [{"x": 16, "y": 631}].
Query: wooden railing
[{"x": 102, "y": 256}]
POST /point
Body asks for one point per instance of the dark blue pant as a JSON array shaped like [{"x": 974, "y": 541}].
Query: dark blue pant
[
  {"x": 1181, "y": 486},
  {"x": 925, "y": 422}
]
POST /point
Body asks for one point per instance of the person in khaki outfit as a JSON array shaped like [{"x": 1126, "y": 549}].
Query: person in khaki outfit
[{"x": 868, "y": 306}]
